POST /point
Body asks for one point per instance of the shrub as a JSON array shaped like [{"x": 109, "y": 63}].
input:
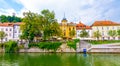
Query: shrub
[
  {"x": 11, "y": 46},
  {"x": 103, "y": 41},
  {"x": 21, "y": 46},
  {"x": 73, "y": 43},
  {"x": 46, "y": 45}
]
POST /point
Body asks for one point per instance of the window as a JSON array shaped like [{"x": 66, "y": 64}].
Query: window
[
  {"x": 15, "y": 31},
  {"x": 19, "y": 31},
  {"x": 5, "y": 39},
  {"x": 102, "y": 28},
  {"x": 69, "y": 29},
  {"x": 9, "y": 34},
  {"x": 64, "y": 33},
  {"x": 2, "y": 29},
  {"x": 103, "y": 33},
  {"x": 107, "y": 28},
  {"x": 88, "y": 31},
  {"x": 6, "y": 29},
  {"x": 10, "y": 29},
  {"x": 73, "y": 28},
  {"x": 97, "y": 28},
  {"x": 113, "y": 27}
]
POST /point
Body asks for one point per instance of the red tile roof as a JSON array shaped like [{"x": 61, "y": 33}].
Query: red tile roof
[
  {"x": 104, "y": 23},
  {"x": 10, "y": 24},
  {"x": 81, "y": 26}
]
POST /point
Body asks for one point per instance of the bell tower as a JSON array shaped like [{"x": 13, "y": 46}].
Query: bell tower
[{"x": 64, "y": 20}]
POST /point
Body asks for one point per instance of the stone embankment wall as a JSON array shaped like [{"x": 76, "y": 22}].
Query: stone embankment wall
[{"x": 62, "y": 48}]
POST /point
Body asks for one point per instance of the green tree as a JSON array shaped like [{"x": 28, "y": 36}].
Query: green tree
[
  {"x": 118, "y": 32},
  {"x": 49, "y": 25},
  {"x": 112, "y": 33},
  {"x": 2, "y": 35},
  {"x": 97, "y": 34},
  {"x": 84, "y": 33},
  {"x": 31, "y": 26},
  {"x": 72, "y": 33},
  {"x": 37, "y": 25},
  {"x": 4, "y": 18}
]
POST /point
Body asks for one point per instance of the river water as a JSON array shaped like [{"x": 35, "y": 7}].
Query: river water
[{"x": 59, "y": 59}]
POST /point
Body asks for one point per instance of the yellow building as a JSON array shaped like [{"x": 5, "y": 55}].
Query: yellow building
[{"x": 67, "y": 28}]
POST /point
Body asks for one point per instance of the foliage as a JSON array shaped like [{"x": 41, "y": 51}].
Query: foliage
[
  {"x": 40, "y": 25},
  {"x": 4, "y": 18},
  {"x": 118, "y": 32},
  {"x": 103, "y": 41},
  {"x": 11, "y": 46},
  {"x": 112, "y": 33},
  {"x": 73, "y": 43},
  {"x": 21, "y": 46},
  {"x": 96, "y": 34},
  {"x": 2, "y": 35},
  {"x": 46, "y": 45},
  {"x": 49, "y": 25},
  {"x": 72, "y": 33},
  {"x": 31, "y": 26},
  {"x": 84, "y": 33}
]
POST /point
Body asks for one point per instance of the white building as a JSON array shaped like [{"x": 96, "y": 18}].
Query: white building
[
  {"x": 12, "y": 31},
  {"x": 80, "y": 27},
  {"x": 104, "y": 27}
]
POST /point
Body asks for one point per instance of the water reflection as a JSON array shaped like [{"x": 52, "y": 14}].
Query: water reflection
[{"x": 59, "y": 59}]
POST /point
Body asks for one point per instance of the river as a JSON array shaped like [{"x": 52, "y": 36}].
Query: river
[{"x": 59, "y": 59}]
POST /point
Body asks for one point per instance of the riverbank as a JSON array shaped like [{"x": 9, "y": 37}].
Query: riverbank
[{"x": 99, "y": 48}]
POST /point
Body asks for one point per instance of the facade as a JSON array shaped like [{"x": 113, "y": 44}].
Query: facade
[
  {"x": 12, "y": 31},
  {"x": 67, "y": 28},
  {"x": 104, "y": 27},
  {"x": 80, "y": 27}
]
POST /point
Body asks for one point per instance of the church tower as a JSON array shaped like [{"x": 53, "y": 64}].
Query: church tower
[{"x": 64, "y": 20}]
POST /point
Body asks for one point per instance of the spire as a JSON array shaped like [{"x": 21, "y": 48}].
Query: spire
[
  {"x": 64, "y": 17},
  {"x": 64, "y": 14}
]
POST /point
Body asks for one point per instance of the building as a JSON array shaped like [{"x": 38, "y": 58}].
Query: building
[
  {"x": 12, "y": 31},
  {"x": 67, "y": 28},
  {"x": 104, "y": 27},
  {"x": 80, "y": 27}
]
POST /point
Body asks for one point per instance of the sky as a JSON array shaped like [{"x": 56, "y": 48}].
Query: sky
[{"x": 86, "y": 11}]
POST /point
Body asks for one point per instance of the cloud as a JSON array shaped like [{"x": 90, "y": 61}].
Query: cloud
[{"x": 86, "y": 11}]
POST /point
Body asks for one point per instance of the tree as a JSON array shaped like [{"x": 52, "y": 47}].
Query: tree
[
  {"x": 4, "y": 18},
  {"x": 49, "y": 25},
  {"x": 118, "y": 32},
  {"x": 2, "y": 35},
  {"x": 37, "y": 25},
  {"x": 72, "y": 33},
  {"x": 97, "y": 34},
  {"x": 84, "y": 33},
  {"x": 31, "y": 26},
  {"x": 112, "y": 33}
]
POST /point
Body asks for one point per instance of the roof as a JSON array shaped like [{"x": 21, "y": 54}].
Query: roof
[
  {"x": 105, "y": 23},
  {"x": 81, "y": 26},
  {"x": 10, "y": 24}
]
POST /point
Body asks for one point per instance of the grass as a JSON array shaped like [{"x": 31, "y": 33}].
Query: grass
[
  {"x": 72, "y": 43},
  {"x": 103, "y": 41}
]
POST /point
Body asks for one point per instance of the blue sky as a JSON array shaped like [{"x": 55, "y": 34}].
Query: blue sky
[{"x": 86, "y": 11}]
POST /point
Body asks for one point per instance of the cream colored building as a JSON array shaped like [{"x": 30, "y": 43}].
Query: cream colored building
[
  {"x": 12, "y": 31},
  {"x": 103, "y": 27},
  {"x": 79, "y": 27}
]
